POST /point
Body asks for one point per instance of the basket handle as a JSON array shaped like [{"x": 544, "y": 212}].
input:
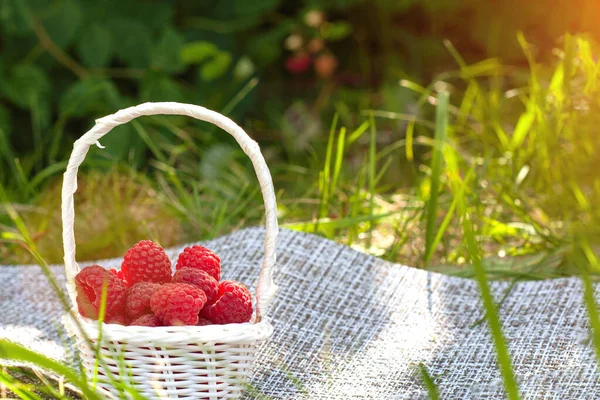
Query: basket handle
[{"x": 265, "y": 290}]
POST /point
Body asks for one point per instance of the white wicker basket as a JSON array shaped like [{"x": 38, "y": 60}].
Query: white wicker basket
[{"x": 188, "y": 362}]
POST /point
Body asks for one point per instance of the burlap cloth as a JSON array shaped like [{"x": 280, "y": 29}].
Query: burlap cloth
[{"x": 351, "y": 326}]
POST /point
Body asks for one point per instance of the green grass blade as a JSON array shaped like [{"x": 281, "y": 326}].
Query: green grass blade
[
  {"x": 34, "y": 109},
  {"x": 372, "y": 165},
  {"x": 398, "y": 116},
  {"x": 158, "y": 154},
  {"x": 45, "y": 174},
  {"x": 101, "y": 314},
  {"x": 429, "y": 383},
  {"x": 355, "y": 203},
  {"x": 383, "y": 169},
  {"x": 527, "y": 49},
  {"x": 326, "y": 173},
  {"x": 13, "y": 351},
  {"x": 592, "y": 309},
  {"x": 23, "y": 391},
  {"x": 241, "y": 95},
  {"x": 415, "y": 87},
  {"x": 510, "y": 384},
  {"x": 441, "y": 123},
  {"x": 448, "y": 217},
  {"x": 339, "y": 158},
  {"x": 49, "y": 387},
  {"x": 410, "y": 132},
  {"x": 585, "y": 258},
  {"x": 523, "y": 126},
  {"x": 337, "y": 223},
  {"x": 354, "y": 136},
  {"x": 455, "y": 54},
  {"x": 14, "y": 170}
]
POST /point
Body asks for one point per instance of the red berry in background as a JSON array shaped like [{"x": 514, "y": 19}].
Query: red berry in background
[
  {"x": 89, "y": 283},
  {"x": 138, "y": 299},
  {"x": 233, "y": 305},
  {"x": 325, "y": 65},
  {"x": 200, "y": 279},
  {"x": 200, "y": 258},
  {"x": 177, "y": 304},
  {"x": 146, "y": 262},
  {"x": 146, "y": 320},
  {"x": 298, "y": 63}
]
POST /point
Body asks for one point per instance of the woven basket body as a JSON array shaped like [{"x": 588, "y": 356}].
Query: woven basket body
[
  {"x": 211, "y": 362},
  {"x": 187, "y": 362}
]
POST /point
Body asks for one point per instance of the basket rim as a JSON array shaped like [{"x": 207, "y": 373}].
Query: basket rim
[{"x": 167, "y": 335}]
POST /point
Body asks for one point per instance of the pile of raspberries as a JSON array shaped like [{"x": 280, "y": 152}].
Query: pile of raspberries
[{"x": 144, "y": 292}]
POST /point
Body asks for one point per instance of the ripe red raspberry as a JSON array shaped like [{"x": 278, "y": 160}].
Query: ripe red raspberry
[
  {"x": 233, "y": 305},
  {"x": 200, "y": 258},
  {"x": 118, "y": 274},
  {"x": 146, "y": 320},
  {"x": 177, "y": 304},
  {"x": 89, "y": 282},
  {"x": 138, "y": 298},
  {"x": 146, "y": 262},
  {"x": 119, "y": 319},
  {"x": 203, "y": 322},
  {"x": 200, "y": 279}
]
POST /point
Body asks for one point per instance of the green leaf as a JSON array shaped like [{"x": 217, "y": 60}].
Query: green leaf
[
  {"x": 14, "y": 17},
  {"x": 42, "y": 113},
  {"x": 197, "y": 52},
  {"x": 336, "y": 31},
  {"x": 156, "y": 15},
  {"x": 121, "y": 144},
  {"x": 266, "y": 48},
  {"x": 89, "y": 96},
  {"x": 63, "y": 21},
  {"x": 255, "y": 7},
  {"x": 159, "y": 87},
  {"x": 134, "y": 42},
  {"x": 25, "y": 85},
  {"x": 166, "y": 54},
  {"x": 216, "y": 67},
  {"x": 95, "y": 46}
]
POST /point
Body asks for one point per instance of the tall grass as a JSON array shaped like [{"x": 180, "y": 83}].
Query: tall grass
[{"x": 441, "y": 128}]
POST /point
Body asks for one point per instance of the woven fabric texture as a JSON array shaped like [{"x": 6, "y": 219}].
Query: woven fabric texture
[{"x": 348, "y": 325}]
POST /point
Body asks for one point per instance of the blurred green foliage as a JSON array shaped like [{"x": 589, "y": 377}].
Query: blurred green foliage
[
  {"x": 65, "y": 62},
  {"x": 523, "y": 116}
]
